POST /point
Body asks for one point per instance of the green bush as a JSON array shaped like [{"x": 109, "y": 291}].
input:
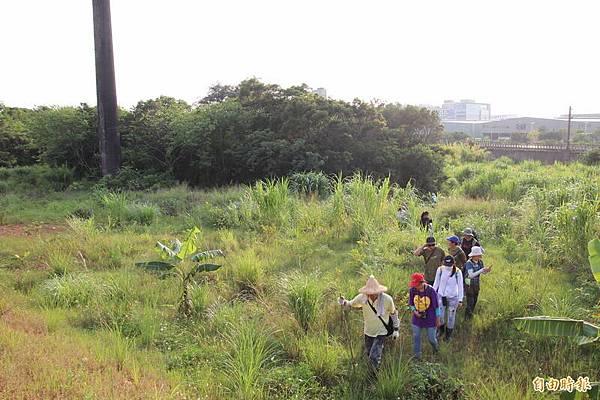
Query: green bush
[
  {"x": 39, "y": 178},
  {"x": 592, "y": 157},
  {"x": 131, "y": 179},
  {"x": 310, "y": 184}
]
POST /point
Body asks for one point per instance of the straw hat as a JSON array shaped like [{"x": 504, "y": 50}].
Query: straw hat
[
  {"x": 476, "y": 251},
  {"x": 372, "y": 287}
]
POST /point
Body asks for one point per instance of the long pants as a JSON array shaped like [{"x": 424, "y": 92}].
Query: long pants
[
  {"x": 449, "y": 311},
  {"x": 472, "y": 294},
  {"x": 431, "y": 336},
  {"x": 374, "y": 349}
]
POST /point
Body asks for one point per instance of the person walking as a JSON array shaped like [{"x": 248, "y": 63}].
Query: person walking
[
  {"x": 454, "y": 249},
  {"x": 449, "y": 287},
  {"x": 380, "y": 318},
  {"x": 433, "y": 257},
  {"x": 423, "y": 302},
  {"x": 474, "y": 267},
  {"x": 468, "y": 240}
]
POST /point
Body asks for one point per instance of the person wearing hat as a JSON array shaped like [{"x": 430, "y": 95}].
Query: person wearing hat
[
  {"x": 433, "y": 257},
  {"x": 380, "y": 317},
  {"x": 454, "y": 249},
  {"x": 423, "y": 302},
  {"x": 449, "y": 286},
  {"x": 474, "y": 267},
  {"x": 468, "y": 240}
]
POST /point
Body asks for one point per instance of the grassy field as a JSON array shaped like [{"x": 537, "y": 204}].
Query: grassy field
[{"x": 80, "y": 320}]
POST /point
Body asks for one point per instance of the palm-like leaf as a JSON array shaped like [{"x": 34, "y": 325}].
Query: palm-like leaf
[
  {"x": 165, "y": 250},
  {"x": 549, "y": 326},
  {"x": 160, "y": 266},
  {"x": 207, "y": 254},
  {"x": 188, "y": 247},
  {"x": 594, "y": 252},
  {"x": 205, "y": 268}
]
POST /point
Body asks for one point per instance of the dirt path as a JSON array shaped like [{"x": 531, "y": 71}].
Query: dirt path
[{"x": 22, "y": 230}]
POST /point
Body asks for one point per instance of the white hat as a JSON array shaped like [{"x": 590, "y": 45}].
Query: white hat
[
  {"x": 372, "y": 287},
  {"x": 476, "y": 251}
]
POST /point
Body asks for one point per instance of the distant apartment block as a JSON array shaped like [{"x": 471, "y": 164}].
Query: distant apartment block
[
  {"x": 465, "y": 110},
  {"x": 320, "y": 92}
]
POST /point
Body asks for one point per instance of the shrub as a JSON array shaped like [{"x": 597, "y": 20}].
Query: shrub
[
  {"x": 310, "y": 184},
  {"x": 592, "y": 157},
  {"x": 36, "y": 178},
  {"x": 131, "y": 179}
]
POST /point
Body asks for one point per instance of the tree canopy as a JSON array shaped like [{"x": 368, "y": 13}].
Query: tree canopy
[{"x": 237, "y": 134}]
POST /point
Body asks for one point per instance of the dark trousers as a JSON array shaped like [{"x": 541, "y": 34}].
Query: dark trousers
[
  {"x": 374, "y": 349},
  {"x": 472, "y": 293}
]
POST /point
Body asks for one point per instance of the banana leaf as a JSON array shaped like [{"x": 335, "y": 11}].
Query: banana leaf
[
  {"x": 188, "y": 247},
  {"x": 165, "y": 250},
  {"x": 583, "y": 331},
  {"x": 594, "y": 252},
  {"x": 155, "y": 265},
  {"x": 205, "y": 268},
  {"x": 207, "y": 254},
  {"x": 593, "y": 394}
]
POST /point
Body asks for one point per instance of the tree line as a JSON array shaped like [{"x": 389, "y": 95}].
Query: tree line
[{"x": 235, "y": 134}]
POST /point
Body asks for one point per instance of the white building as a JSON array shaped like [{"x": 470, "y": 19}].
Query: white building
[{"x": 465, "y": 110}]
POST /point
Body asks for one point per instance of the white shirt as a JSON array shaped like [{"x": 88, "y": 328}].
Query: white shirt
[
  {"x": 449, "y": 286},
  {"x": 384, "y": 305}
]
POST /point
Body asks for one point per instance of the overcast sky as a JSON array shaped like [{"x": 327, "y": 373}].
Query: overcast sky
[{"x": 524, "y": 57}]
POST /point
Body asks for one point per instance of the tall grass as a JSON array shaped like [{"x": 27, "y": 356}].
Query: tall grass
[
  {"x": 304, "y": 296},
  {"x": 368, "y": 205},
  {"x": 251, "y": 352},
  {"x": 272, "y": 200}
]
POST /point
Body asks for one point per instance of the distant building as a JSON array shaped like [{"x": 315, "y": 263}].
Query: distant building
[
  {"x": 465, "y": 110},
  {"x": 506, "y": 127},
  {"x": 320, "y": 92}
]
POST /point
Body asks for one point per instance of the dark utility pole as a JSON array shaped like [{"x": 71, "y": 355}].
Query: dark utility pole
[
  {"x": 110, "y": 142},
  {"x": 569, "y": 130}
]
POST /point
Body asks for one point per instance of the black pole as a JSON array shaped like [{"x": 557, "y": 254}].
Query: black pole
[
  {"x": 110, "y": 141},
  {"x": 569, "y": 130}
]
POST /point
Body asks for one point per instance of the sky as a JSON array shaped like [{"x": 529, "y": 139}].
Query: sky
[{"x": 524, "y": 57}]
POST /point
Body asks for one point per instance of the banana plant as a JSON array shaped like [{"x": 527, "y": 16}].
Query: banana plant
[
  {"x": 584, "y": 332},
  {"x": 182, "y": 260}
]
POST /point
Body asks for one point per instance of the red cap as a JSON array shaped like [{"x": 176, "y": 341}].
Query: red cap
[{"x": 415, "y": 279}]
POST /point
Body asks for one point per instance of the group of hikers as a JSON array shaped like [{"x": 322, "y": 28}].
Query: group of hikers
[{"x": 434, "y": 295}]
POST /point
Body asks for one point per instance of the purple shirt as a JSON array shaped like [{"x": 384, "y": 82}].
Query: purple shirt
[{"x": 426, "y": 301}]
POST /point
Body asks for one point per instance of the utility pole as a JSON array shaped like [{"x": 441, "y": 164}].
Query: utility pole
[
  {"x": 569, "y": 130},
  {"x": 110, "y": 141}
]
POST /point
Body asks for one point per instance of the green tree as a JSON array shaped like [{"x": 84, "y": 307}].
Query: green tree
[
  {"x": 147, "y": 133},
  {"x": 16, "y": 143},
  {"x": 66, "y": 136}
]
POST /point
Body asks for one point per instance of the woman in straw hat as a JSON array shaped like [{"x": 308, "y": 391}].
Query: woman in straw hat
[
  {"x": 380, "y": 317},
  {"x": 474, "y": 268},
  {"x": 423, "y": 301}
]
